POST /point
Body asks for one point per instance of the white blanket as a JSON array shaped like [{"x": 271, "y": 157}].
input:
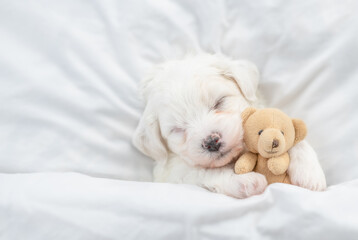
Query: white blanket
[{"x": 69, "y": 72}]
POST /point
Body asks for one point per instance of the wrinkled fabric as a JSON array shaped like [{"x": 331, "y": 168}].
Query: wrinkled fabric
[
  {"x": 77, "y": 206},
  {"x": 69, "y": 104}
]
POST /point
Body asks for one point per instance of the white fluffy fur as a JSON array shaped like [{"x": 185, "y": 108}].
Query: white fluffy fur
[{"x": 187, "y": 100}]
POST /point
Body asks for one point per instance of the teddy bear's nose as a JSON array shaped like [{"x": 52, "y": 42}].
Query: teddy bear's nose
[{"x": 275, "y": 143}]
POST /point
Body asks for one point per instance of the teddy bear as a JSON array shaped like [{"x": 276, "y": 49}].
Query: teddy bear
[{"x": 268, "y": 135}]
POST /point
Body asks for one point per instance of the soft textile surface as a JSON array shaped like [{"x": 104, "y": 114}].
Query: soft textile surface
[
  {"x": 69, "y": 72},
  {"x": 75, "y": 206}
]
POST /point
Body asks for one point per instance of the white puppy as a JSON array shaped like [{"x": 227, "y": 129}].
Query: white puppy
[{"x": 191, "y": 126}]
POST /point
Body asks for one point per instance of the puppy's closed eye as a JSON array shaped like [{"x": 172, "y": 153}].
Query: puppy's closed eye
[
  {"x": 177, "y": 130},
  {"x": 219, "y": 103}
]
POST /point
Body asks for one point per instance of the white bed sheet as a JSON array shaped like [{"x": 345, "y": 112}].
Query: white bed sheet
[
  {"x": 68, "y": 103},
  {"x": 75, "y": 206}
]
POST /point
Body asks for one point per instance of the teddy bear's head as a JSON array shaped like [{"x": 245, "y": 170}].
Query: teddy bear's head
[{"x": 270, "y": 132}]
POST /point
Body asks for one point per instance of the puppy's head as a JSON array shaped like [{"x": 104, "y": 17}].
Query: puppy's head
[{"x": 193, "y": 109}]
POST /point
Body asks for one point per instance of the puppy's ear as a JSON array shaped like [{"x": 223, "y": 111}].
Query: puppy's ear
[
  {"x": 300, "y": 130},
  {"x": 147, "y": 137},
  {"x": 246, "y": 75},
  {"x": 247, "y": 113}
]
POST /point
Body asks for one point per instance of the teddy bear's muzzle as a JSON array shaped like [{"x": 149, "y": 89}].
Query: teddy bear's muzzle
[{"x": 271, "y": 143}]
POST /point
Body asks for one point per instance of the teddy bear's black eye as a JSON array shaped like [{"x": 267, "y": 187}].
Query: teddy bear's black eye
[
  {"x": 260, "y": 132},
  {"x": 282, "y": 133}
]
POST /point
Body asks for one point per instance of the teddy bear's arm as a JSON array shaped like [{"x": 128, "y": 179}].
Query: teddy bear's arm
[
  {"x": 246, "y": 163},
  {"x": 279, "y": 165}
]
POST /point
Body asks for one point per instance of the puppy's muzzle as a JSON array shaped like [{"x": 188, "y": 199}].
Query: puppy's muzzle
[{"x": 212, "y": 143}]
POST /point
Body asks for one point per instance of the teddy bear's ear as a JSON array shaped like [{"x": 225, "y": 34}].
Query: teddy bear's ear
[
  {"x": 300, "y": 130},
  {"x": 247, "y": 113}
]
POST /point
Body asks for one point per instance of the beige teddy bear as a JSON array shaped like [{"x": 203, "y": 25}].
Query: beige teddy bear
[{"x": 268, "y": 135}]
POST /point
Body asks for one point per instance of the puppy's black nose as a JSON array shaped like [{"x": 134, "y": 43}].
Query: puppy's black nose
[
  {"x": 212, "y": 142},
  {"x": 275, "y": 143}
]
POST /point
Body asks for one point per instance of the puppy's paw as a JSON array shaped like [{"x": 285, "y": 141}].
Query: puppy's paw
[
  {"x": 310, "y": 179},
  {"x": 246, "y": 185},
  {"x": 305, "y": 170}
]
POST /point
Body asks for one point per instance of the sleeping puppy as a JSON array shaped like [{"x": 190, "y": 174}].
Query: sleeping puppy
[{"x": 191, "y": 126}]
